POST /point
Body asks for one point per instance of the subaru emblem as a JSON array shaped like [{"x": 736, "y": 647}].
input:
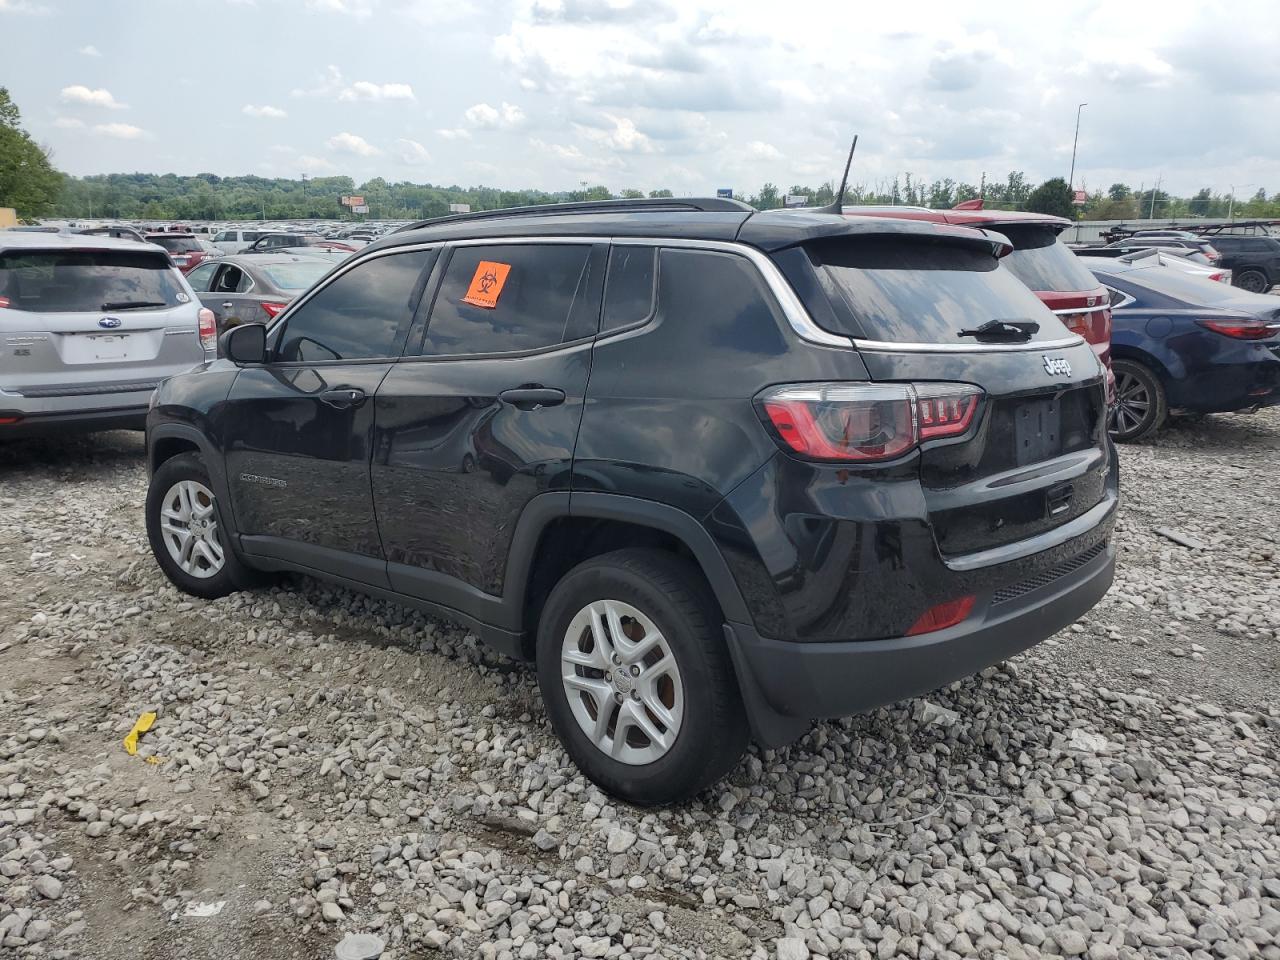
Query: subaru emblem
[{"x": 109, "y": 323}]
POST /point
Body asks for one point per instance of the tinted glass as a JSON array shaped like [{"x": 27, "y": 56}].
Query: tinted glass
[
  {"x": 547, "y": 295},
  {"x": 629, "y": 290},
  {"x": 224, "y": 236},
  {"x": 913, "y": 291},
  {"x": 87, "y": 281},
  {"x": 1043, "y": 262},
  {"x": 177, "y": 244},
  {"x": 199, "y": 277},
  {"x": 295, "y": 276},
  {"x": 358, "y": 316}
]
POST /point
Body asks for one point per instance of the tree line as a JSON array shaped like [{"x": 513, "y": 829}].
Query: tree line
[{"x": 30, "y": 183}]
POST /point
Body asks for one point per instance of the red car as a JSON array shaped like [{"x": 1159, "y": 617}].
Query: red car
[
  {"x": 184, "y": 249},
  {"x": 1039, "y": 259}
]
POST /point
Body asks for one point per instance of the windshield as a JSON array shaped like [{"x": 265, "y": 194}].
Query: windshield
[
  {"x": 296, "y": 276},
  {"x": 917, "y": 291},
  {"x": 87, "y": 280},
  {"x": 177, "y": 244},
  {"x": 1043, "y": 262}
]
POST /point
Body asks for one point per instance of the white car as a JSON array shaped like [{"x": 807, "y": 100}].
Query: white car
[
  {"x": 235, "y": 240},
  {"x": 1168, "y": 258},
  {"x": 89, "y": 327}
]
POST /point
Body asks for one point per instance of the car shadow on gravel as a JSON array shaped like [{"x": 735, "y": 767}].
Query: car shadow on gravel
[{"x": 72, "y": 452}]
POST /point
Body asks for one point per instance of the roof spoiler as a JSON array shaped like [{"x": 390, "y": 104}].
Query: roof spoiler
[{"x": 975, "y": 204}]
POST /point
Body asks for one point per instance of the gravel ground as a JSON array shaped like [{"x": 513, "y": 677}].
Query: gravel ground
[{"x": 324, "y": 764}]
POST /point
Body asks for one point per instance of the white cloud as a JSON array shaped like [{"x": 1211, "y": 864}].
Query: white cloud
[
  {"x": 412, "y": 152},
  {"x": 349, "y": 143},
  {"x": 763, "y": 151},
  {"x": 121, "y": 131},
  {"x": 621, "y": 135},
  {"x": 360, "y": 9},
  {"x": 329, "y": 83},
  {"x": 364, "y": 90},
  {"x": 90, "y": 51},
  {"x": 274, "y": 113},
  {"x": 28, "y": 7},
  {"x": 311, "y": 164},
  {"x": 79, "y": 93},
  {"x": 454, "y": 133},
  {"x": 484, "y": 117},
  {"x": 68, "y": 123}
]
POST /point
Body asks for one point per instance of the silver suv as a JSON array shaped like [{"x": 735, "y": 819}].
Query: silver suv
[{"x": 89, "y": 327}]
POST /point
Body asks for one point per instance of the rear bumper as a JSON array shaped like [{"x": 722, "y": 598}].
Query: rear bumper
[
  {"x": 788, "y": 681},
  {"x": 132, "y": 417}
]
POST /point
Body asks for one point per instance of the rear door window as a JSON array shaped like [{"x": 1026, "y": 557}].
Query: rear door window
[
  {"x": 629, "y": 289},
  {"x": 1043, "y": 262},
  {"x": 917, "y": 291},
  {"x": 87, "y": 281},
  {"x": 515, "y": 298},
  {"x": 199, "y": 277},
  {"x": 363, "y": 314}
]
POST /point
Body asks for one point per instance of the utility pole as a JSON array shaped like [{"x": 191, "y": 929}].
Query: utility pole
[
  {"x": 982, "y": 186},
  {"x": 1151, "y": 214},
  {"x": 1071, "y": 178}
]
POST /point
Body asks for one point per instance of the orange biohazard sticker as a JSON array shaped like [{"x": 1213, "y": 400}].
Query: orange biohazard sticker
[{"x": 486, "y": 285}]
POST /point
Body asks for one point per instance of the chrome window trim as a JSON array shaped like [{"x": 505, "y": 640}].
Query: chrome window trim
[
  {"x": 797, "y": 316},
  {"x": 1072, "y": 311}
]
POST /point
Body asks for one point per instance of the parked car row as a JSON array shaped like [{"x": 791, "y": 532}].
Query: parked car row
[{"x": 768, "y": 393}]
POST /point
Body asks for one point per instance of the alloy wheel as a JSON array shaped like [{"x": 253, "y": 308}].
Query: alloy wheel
[
  {"x": 1133, "y": 403},
  {"x": 189, "y": 526},
  {"x": 622, "y": 682}
]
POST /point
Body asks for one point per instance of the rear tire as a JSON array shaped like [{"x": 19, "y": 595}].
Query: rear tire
[
  {"x": 1255, "y": 281},
  {"x": 1141, "y": 407},
  {"x": 630, "y": 644},
  {"x": 187, "y": 535}
]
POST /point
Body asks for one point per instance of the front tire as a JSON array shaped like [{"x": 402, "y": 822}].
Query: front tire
[
  {"x": 636, "y": 677},
  {"x": 1141, "y": 408},
  {"x": 187, "y": 535}
]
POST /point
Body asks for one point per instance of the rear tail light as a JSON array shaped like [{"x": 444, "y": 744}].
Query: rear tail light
[
  {"x": 942, "y": 615},
  {"x": 1241, "y": 329},
  {"x": 867, "y": 422},
  {"x": 273, "y": 308},
  {"x": 9, "y": 420},
  {"x": 4, "y": 301},
  {"x": 208, "y": 329}
]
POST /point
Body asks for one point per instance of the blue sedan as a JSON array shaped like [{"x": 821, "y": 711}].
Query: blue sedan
[{"x": 1180, "y": 344}]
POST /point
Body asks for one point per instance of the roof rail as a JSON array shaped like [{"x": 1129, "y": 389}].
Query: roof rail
[{"x": 639, "y": 205}]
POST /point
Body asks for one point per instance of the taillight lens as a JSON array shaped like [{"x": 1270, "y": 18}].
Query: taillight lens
[
  {"x": 208, "y": 329},
  {"x": 1212, "y": 253},
  {"x": 4, "y": 301},
  {"x": 273, "y": 308},
  {"x": 867, "y": 422},
  {"x": 1241, "y": 329}
]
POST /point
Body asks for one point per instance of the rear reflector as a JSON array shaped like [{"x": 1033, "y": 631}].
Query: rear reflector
[
  {"x": 1241, "y": 329},
  {"x": 208, "y": 329},
  {"x": 867, "y": 422},
  {"x": 273, "y": 308},
  {"x": 942, "y": 616},
  {"x": 7, "y": 420}
]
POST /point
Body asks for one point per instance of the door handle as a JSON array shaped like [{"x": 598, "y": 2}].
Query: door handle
[
  {"x": 532, "y": 397},
  {"x": 343, "y": 397},
  {"x": 228, "y": 305}
]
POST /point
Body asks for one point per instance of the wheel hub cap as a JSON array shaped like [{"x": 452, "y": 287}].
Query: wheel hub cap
[
  {"x": 189, "y": 527},
  {"x": 622, "y": 682}
]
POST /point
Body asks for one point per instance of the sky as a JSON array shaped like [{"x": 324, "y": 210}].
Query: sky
[{"x": 692, "y": 95}]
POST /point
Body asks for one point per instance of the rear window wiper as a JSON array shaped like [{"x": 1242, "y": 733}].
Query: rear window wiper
[
  {"x": 1004, "y": 330},
  {"x": 131, "y": 304}
]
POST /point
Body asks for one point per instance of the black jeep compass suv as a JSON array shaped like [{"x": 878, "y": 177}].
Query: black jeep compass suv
[{"x": 716, "y": 472}]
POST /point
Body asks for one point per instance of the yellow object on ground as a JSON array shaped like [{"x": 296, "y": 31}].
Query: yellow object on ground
[{"x": 145, "y": 723}]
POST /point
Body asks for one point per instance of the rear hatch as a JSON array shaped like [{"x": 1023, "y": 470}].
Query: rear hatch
[
  {"x": 92, "y": 320},
  {"x": 1036, "y": 456},
  {"x": 1049, "y": 268}
]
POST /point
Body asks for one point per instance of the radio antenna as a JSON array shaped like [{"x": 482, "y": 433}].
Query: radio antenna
[{"x": 837, "y": 205}]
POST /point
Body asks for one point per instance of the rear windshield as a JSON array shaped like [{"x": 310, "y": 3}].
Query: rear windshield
[
  {"x": 1183, "y": 286},
  {"x": 921, "y": 292},
  {"x": 91, "y": 280},
  {"x": 177, "y": 244},
  {"x": 296, "y": 276},
  {"x": 1045, "y": 263}
]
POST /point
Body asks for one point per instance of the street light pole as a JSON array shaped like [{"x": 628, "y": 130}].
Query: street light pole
[
  {"x": 1231, "y": 207},
  {"x": 1071, "y": 178}
]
